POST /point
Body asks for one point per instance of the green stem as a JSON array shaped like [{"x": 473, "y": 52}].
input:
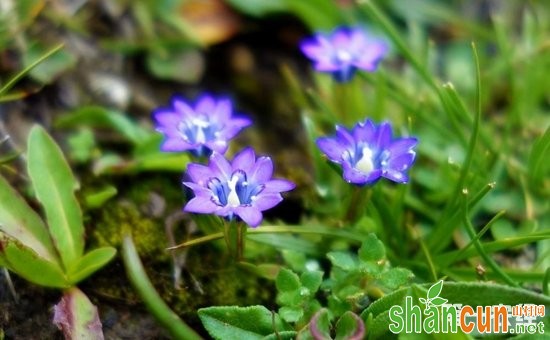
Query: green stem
[
  {"x": 284, "y": 229},
  {"x": 357, "y": 203},
  {"x": 164, "y": 315},
  {"x": 343, "y": 99},
  {"x": 234, "y": 233}
]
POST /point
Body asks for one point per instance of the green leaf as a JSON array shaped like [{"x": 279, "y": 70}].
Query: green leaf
[
  {"x": 295, "y": 259},
  {"x": 169, "y": 65},
  {"x": 100, "y": 117},
  {"x": 90, "y": 262},
  {"x": 54, "y": 186},
  {"x": 312, "y": 280},
  {"x": 292, "y": 298},
  {"x": 350, "y": 327},
  {"x": 98, "y": 199},
  {"x": 287, "y": 281},
  {"x": 319, "y": 325},
  {"x": 77, "y": 317},
  {"x": 372, "y": 249},
  {"x": 342, "y": 260},
  {"x": 82, "y": 145},
  {"x": 396, "y": 277},
  {"x": 232, "y": 322},
  {"x": 435, "y": 290},
  {"x": 258, "y": 7},
  {"x": 28, "y": 264},
  {"x": 266, "y": 270},
  {"x": 317, "y": 14},
  {"x": 284, "y": 335},
  {"x": 291, "y": 314},
  {"x": 20, "y": 222}
]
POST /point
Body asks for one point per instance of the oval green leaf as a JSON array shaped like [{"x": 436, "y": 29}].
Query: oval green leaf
[
  {"x": 54, "y": 186},
  {"x": 90, "y": 262},
  {"x": 22, "y": 223},
  {"x": 28, "y": 264},
  {"x": 233, "y": 322}
]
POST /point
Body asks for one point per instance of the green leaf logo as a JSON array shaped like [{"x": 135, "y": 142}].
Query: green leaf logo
[{"x": 432, "y": 297}]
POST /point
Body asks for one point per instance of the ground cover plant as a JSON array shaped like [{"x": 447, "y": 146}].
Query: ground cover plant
[{"x": 320, "y": 169}]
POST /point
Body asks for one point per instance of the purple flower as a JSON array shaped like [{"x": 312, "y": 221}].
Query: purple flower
[
  {"x": 243, "y": 187},
  {"x": 368, "y": 152},
  {"x": 206, "y": 127},
  {"x": 343, "y": 51}
]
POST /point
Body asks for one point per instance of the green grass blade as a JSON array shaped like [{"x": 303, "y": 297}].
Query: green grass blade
[
  {"x": 494, "y": 246},
  {"x": 479, "y": 247},
  {"x": 538, "y": 166},
  {"x": 27, "y": 69},
  {"x": 475, "y": 239},
  {"x": 442, "y": 234},
  {"x": 164, "y": 315}
]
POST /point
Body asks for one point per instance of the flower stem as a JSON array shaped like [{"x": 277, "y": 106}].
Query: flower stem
[
  {"x": 343, "y": 97},
  {"x": 356, "y": 204},
  {"x": 234, "y": 233}
]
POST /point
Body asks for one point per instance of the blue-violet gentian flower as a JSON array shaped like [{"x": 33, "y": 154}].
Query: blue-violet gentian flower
[
  {"x": 343, "y": 51},
  {"x": 242, "y": 188},
  {"x": 205, "y": 127},
  {"x": 368, "y": 152}
]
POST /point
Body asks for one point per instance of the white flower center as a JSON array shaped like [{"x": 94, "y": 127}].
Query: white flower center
[
  {"x": 343, "y": 55},
  {"x": 201, "y": 125},
  {"x": 365, "y": 164},
  {"x": 233, "y": 198}
]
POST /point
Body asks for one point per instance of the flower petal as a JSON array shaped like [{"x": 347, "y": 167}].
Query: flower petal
[
  {"x": 223, "y": 110},
  {"x": 278, "y": 185},
  {"x": 244, "y": 160},
  {"x": 364, "y": 132},
  {"x": 384, "y": 133},
  {"x": 198, "y": 189},
  {"x": 402, "y": 145},
  {"x": 175, "y": 144},
  {"x": 219, "y": 166},
  {"x": 344, "y": 136},
  {"x": 206, "y": 105},
  {"x": 234, "y": 126},
  {"x": 371, "y": 55},
  {"x": 167, "y": 117},
  {"x": 201, "y": 205},
  {"x": 267, "y": 201},
  {"x": 250, "y": 215},
  {"x": 396, "y": 176},
  {"x": 401, "y": 162},
  {"x": 182, "y": 108},
  {"x": 340, "y": 38},
  {"x": 332, "y": 148},
  {"x": 199, "y": 174},
  {"x": 262, "y": 170},
  {"x": 313, "y": 49},
  {"x": 352, "y": 175}
]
